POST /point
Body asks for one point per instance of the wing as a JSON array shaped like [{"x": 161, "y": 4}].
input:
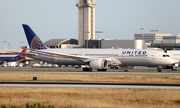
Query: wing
[
  {"x": 33, "y": 53},
  {"x": 25, "y": 54},
  {"x": 111, "y": 61},
  {"x": 75, "y": 57}
]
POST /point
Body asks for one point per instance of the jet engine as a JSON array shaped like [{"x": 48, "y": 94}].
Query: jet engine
[
  {"x": 128, "y": 67},
  {"x": 98, "y": 63}
]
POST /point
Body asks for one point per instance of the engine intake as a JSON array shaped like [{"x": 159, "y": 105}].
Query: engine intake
[{"x": 98, "y": 63}]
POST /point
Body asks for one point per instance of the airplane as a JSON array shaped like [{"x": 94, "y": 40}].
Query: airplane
[
  {"x": 98, "y": 59},
  {"x": 15, "y": 58}
]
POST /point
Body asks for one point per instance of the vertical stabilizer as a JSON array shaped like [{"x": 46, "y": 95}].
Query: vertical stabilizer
[
  {"x": 23, "y": 51},
  {"x": 33, "y": 40}
]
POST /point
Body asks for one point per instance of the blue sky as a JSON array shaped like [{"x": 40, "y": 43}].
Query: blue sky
[{"x": 119, "y": 19}]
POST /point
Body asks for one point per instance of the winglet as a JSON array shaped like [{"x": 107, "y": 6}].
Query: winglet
[{"x": 33, "y": 40}]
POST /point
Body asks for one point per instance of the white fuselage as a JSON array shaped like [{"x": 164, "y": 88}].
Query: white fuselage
[
  {"x": 126, "y": 57},
  {"x": 174, "y": 54}
]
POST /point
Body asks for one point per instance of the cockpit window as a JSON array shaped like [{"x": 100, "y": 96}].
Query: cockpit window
[{"x": 166, "y": 56}]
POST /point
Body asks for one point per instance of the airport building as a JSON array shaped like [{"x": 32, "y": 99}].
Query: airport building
[
  {"x": 61, "y": 43},
  {"x": 168, "y": 42},
  {"x": 150, "y": 37},
  {"x": 86, "y": 30},
  {"x": 124, "y": 44},
  {"x": 86, "y": 20}
]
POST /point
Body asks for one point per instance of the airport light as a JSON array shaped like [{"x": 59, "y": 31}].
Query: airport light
[
  {"x": 142, "y": 29},
  {"x": 4, "y": 43},
  {"x": 99, "y": 32},
  {"x": 21, "y": 44},
  {"x": 9, "y": 45},
  {"x": 153, "y": 30}
]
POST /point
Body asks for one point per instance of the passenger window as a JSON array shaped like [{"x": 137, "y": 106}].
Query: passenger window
[{"x": 164, "y": 55}]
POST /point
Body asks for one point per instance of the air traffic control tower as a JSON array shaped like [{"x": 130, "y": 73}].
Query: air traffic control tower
[{"x": 86, "y": 20}]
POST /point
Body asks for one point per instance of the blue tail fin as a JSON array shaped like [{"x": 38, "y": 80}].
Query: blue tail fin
[{"x": 32, "y": 38}]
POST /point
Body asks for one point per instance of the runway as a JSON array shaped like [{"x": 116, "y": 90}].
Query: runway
[
  {"x": 96, "y": 73},
  {"x": 39, "y": 84}
]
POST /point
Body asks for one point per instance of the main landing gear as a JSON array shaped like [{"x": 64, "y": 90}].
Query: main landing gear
[
  {"x": 159, "y": 68},
  {"x": 101, "y": 69},
  {"x": 90, "y": 69},
  {"x": 87, "y": 69}
]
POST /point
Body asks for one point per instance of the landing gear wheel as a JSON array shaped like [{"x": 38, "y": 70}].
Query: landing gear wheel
[
  {"x": 87, "y": 69},
  {"x": 159, "y": 68},
  {"x": 101, "y": 69}
]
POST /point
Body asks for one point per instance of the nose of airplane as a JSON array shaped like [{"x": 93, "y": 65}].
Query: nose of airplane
[{"x": 174, "y": 61}]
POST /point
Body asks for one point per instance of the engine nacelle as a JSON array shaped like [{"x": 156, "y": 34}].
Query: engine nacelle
[
  {"x": 98, "y": 63},
  {"x": 128, "y": 67}
]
